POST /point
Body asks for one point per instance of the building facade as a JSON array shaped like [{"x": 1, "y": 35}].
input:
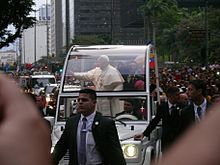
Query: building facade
[
  {"x": 45, "y": 12},
  {"x": 109, "y": 18},
  {"x": 8, "y": 57},
  {"x": 35, "y": 43},
  {"x": 56, "y": 28}
]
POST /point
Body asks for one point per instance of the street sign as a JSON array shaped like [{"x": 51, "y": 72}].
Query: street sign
[
  {"x": 197, "y": 34},
  {"x": 198, "y": 3}
]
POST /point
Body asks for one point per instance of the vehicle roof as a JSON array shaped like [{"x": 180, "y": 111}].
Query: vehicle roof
[
  {"x": 42, "y": 76},
  {"x": 110, "y": 50},
  {"x": 24, "y": 76},
  {"x": 52, "y": 85}
]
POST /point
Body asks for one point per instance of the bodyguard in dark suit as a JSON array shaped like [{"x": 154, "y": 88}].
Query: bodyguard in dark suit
[
  {"x": 93, "y": 143},
  {"x": 198, "y": 106},
  {"x": 169, "y": 113}
]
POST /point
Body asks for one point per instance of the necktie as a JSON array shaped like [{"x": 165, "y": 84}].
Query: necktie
[
  {"x": 172, "y": 110},
  {"x": 82, "y": 149},
  {"x": 199, "y": 111}
]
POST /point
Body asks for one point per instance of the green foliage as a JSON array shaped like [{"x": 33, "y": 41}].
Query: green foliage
[
  {"x": 91, "y": 40},
  {"x": 14, "y": 13},
  {"x": 173, "y": 26},
  {"x": 191, "y": 47}
]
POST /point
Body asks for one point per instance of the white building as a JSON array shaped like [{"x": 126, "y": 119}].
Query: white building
[
  {"x": 9, "y": 57},
  {"x": 35, "y": 43},
  {"x": 45, "y": 12}
]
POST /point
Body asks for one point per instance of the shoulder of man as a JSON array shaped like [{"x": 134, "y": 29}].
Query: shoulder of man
[
  {"x": 161, "y": 104},
  {"x": 187, "y": 109},
  {"x": 73, "y": 118},
  {"x": 100, "y": 117},
  {"x": 180, "y": 106}
]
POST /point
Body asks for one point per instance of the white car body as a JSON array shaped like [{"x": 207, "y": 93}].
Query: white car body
[
  {"x": 38, "y": 81},
  {"x": 135, "y": 152}
]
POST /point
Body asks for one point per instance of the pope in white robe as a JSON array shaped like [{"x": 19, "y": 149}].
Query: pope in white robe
[{"x": 105, "y": 78}]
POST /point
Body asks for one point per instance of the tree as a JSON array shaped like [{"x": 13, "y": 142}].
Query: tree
[
  {"x": 15, "y": 14},
  {"x": 161, "y": 18},
  {"x": 171, "y": 28},
  {"x": 192, "y": 48},
  {"x": 152, "y": 11}
]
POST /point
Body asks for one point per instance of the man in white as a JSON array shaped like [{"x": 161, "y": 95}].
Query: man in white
[{"x": 105, "y": 77}]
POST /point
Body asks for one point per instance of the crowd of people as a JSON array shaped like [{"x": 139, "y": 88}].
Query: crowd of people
[
  {"x": 190, "y": 94},
  {"x": 199, "y": 147},
  {"x": 180, "y": 77}
]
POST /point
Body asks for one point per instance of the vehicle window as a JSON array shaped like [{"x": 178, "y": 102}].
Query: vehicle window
[
  {"x": 49, "y": 89},
  {"x": 109, "y": 106},
  {"x": 41, "y": 82},
  {"x": 105, "y": 73}
]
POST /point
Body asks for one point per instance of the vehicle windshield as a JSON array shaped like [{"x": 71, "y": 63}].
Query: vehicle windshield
[
  {"x": 121, "y": 75},
  {"x": 122, "y": 108},
  {"x": 103, "y": 71},
  {"x": 41, "y": 82},
  {"x": 49, "y": 89}
]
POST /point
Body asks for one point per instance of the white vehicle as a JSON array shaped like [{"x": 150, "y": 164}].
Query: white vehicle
[
  {"x": 39, "y": 80},
  {"x": 138, "y": 67},
  {"x": 48, "y": 90},
  {"x": 23, "y": 81}
]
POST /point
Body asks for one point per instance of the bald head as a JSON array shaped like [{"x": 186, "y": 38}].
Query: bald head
[{"x": 183, "y": 98}]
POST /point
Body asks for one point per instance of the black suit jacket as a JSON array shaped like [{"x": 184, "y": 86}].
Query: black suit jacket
[
  {"x": 188, "y": 117},
  {"x": 105, "y": 136},
  {"x": 170, "y": 124}
]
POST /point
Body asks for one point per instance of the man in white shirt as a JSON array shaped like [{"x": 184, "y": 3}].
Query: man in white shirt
[
  {"x": 90, "y": 138},
  {"x": 198, "y": 105}
]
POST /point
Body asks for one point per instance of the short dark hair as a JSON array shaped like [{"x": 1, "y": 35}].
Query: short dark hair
[
  {"x": 199, "y": 84},
  {"x": 90, "y": 92},
  {"x": 172, "y": 90},
  {"x": 130, "y": 101}
]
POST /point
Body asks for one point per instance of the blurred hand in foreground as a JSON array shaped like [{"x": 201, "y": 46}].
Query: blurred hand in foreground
[{"x": 24, "y": 135}]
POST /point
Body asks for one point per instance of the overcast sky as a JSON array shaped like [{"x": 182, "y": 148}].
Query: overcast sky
[{"x": 38, "y": 4}]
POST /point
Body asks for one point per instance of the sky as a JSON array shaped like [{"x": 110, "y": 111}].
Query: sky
[
  {"x": 41, "y": 2},
  {"x": 38, "y": 3}
]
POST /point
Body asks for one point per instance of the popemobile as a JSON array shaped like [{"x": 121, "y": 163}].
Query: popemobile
[{"x": 134, "y": 70}]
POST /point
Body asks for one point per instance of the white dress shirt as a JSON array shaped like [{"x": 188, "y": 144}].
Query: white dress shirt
[
  {"x": 170, "y": 106},
  {"x": 92, "y": 155},
  {"x": 203, "y": 110}
]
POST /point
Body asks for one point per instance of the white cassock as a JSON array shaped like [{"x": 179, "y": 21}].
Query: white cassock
[{"x": 108, "y": 79}]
